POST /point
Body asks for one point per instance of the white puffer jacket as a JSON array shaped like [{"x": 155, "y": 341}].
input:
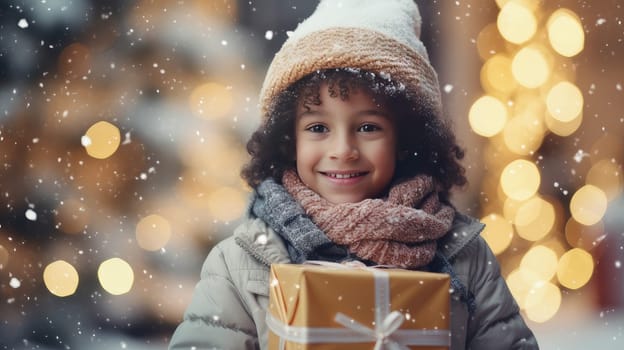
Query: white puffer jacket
[{"x": 230, "y": 301}]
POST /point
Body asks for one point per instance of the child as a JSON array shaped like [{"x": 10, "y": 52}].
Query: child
[{"x": 352, "y": 162}]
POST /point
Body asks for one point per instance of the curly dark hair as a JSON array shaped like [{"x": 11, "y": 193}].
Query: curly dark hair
[{"x": 426, "y": 143}]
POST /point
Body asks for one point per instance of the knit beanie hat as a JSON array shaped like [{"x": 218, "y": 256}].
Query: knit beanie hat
[{"x": 378, "y": 36}]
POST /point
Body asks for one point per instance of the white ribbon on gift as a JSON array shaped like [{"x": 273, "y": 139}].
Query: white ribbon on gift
[{"x": 386, "y": 333}]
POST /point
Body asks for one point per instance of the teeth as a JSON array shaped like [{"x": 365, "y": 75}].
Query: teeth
[{"x": 343, "y": 176}]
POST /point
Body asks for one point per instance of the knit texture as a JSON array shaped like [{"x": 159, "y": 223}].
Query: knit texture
[
  {"x": 304, "y": 240},
  {"x": 400, "y": 230},
  {"x": 381, "y": 37}
]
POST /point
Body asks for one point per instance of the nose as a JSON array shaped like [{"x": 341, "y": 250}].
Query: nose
[{"x": 344, "y": 147}]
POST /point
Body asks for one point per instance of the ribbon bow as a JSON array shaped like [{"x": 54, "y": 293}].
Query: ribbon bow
[{"x": 382, "y": 332}]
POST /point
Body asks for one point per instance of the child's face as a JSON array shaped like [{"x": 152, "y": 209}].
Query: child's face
[{"x": 345, "y": 149}]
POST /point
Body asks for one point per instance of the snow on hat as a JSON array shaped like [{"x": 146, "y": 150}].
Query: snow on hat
[{"x": 378, "y": 36}]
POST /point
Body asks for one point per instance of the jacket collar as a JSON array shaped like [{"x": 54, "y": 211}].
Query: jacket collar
[
  {"x": 464, "y": 230},
  {"x": 257, "y": 238}
]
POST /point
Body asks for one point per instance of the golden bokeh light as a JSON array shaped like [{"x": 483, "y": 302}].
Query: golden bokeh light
[
  {"x": 510, "y": 208},
  {"x": 564, "y": 102},
  {"x": 583, "y": 236},
  {"x": 490, "y": 42},
  {"x": 542, "y": 302},
  {"x": 227, "y": 203},
  {"x": 211, "y": 101},
  {"x": 607, "y": 146},
  {"x": 216, "y": 158},
  {"x": 575, "y": 268},
  {"x": 116, "y": 276},
  {"x": 524, "y": 134},
  {"x": 534, "y": 219},
  {"x": 520, "y": 282},
  {"x": 562, "y": 128},
  {"x": 495, "y": 156},
  {"x": 192, "y": 192},
  {"x": 607, "y": 176},
  {"x": 153, "y": 232},
  {"x": 496, "y": 75},
  {"x": 557, "y": 244},
  {"x": 61, "y": 278},
  {"x": 4, "y": 257},
  {"x": 565, "y": 32},
  {"x": 520, "y": 179},
  {"x": 498, "y": 232},
  {"x": 528, "y": 102},
  {"x": 101, "y": 140},
  {"x": 541, "y": 261},
  {"x": 516, "y": 23},
  {"x": 588, "y": 205},
  {"x": 487, "y": 116},
  {"x": 530, "y": 67},
  {"x": 533, "y": 5}
]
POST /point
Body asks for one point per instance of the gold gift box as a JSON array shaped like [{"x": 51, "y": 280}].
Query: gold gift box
[{"x": 306, "y": 299}]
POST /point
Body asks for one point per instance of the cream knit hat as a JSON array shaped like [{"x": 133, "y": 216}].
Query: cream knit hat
[{"x": 379, "y": 36}]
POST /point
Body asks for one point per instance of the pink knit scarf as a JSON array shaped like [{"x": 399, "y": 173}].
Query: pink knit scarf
[{"x": 400, "y": 230}]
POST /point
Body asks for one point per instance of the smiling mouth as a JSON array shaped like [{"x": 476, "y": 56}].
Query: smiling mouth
[{"x": 344, "y": 175}]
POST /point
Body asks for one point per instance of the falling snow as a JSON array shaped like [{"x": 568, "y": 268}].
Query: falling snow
[
  {"x": 23, "y": 23},
  {"x": 85, "y": 141},
  {"x": 15, "y": 283},
  {"x": 127, "y": 139},
  {"x": 31, "y": 215},
  {"x": 579, "y": 155},
  {"x": 262, "y": 239}
]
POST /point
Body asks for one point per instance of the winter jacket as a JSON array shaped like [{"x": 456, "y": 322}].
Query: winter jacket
[{"x": 228, "y": 307}]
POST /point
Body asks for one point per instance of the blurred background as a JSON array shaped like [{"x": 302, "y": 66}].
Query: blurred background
[{"x": 122, "y": 133}]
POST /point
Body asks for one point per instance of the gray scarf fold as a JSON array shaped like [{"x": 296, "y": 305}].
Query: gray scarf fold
[{"x": 305, "y": 241}]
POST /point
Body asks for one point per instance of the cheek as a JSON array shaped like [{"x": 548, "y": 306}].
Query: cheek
[
  {"x": 386, "y": 160},
  {"x": 304, "y": 154},
  {"x": 386, "y": 154},
  {"x": 389, "y": 163}
]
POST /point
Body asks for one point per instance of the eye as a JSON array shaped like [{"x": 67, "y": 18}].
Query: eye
[
  {"x": 369, "y": 128},
  {"x": 317, "y": 128}
]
